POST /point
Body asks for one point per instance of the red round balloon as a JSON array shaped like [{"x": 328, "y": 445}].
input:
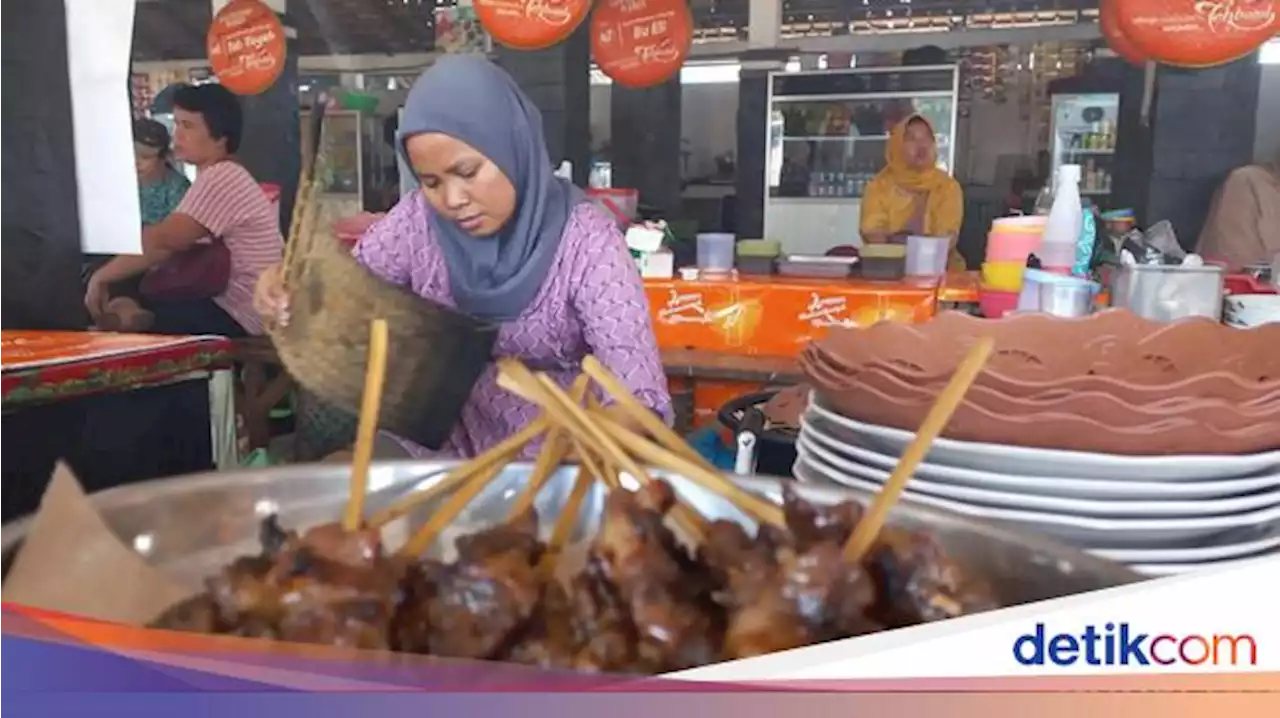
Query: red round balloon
[
  {"x": 1108, "y": 22},
  {"x": 1197, "y": 33},
  {"x": 641, "y": 43},
  {"x": 531, "y": 24}
]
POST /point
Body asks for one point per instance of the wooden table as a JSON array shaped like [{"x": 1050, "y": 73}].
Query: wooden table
[{"x": 119, "y": 408}]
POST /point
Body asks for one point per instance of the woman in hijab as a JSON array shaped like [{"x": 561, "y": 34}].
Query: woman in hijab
[
  {"x": 1243, "y": 227},
  {"x": 494, "y": 233},
  {"x": 911, "y": 195}
]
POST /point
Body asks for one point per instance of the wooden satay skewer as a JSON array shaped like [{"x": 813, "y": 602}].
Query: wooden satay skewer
[
  {"x": 864, "y": 535},
  {"x": 554, "y": 449},
  {"x": 517, "y": 379},
  {"x": 689, "y": 521},
  {"x": 371, "y": 403},
  {"x": 588, "y": 473},
  {"x": 453, "y": 506},
  {"x": 754, "y": 506},
  {"x": 649, "y": 421},
  {"x": 499, "y": 455},
  {"x": 747, "y": 502}
]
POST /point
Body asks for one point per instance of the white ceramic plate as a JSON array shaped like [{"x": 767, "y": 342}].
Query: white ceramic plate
[
  {"x": 814, "y": 429},
  {"x": 1221, "y": 547},
  {"x": 1049, "y": 462},
  {"x": 1057, "y": 504},
  {"x": 1174, "y": 569},
  {"x": 1086, "y": 531}
]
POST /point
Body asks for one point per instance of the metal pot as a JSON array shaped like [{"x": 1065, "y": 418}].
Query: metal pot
[{"x": 191, "y": 526}]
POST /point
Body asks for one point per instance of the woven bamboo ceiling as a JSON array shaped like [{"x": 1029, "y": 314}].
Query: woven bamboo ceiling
[{"x": 175, "y": 29}]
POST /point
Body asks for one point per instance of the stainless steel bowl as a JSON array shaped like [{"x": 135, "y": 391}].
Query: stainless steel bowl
[{"x": 190, "y": 526}]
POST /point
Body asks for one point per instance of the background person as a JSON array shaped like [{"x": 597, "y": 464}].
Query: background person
[{"x": 911, "y": 196}]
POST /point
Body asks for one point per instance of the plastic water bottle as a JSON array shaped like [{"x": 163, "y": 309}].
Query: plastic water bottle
[
  {"x": 1044, "y": 200},
  {"x": 1065, "y": 217}
]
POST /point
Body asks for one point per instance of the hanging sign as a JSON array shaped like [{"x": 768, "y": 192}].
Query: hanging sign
[
  {"x": 1197, "y": 33},
  {"x": 531, "y": 24},
  {"x": 1108, "y": 23},
  {"x": 641, "y": 43},
  {"x": 246, "y": 47}
]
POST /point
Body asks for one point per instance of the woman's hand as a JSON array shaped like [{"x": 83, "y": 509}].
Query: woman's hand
[
  {"x": 270, "y": 299},
  {"x": 96, "y": 296}
]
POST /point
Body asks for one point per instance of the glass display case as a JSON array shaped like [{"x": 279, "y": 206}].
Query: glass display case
[
  {"x": 827, "y": 137},
  {"x": 1084, "y": 133}
]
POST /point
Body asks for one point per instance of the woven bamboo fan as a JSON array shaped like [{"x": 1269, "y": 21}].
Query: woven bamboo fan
[{"x": 435, "y": 354}]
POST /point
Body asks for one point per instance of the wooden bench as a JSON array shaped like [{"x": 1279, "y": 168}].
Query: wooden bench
[{"x": 258, "y": 391}]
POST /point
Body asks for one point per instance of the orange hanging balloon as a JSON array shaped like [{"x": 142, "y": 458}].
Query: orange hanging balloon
[
  {"x": 246, "y": 47},
  {"x": 1197, "y": 33},
  {"x": 1108, "y": 23},
  {"x": 531, "y": 24},
  {"x": 641, "y": 43}
]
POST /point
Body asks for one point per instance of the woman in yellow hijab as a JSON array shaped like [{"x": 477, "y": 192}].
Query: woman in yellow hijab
[{"x": 911, "y": 195}]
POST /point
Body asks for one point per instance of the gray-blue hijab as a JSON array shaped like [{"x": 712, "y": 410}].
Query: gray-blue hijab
[{"x": 473, "y": 100}]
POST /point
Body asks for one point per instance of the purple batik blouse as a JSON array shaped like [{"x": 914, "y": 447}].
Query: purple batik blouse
[{"x": 592, "y": 301}]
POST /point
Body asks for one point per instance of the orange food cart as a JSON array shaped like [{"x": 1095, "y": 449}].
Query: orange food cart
[{"x": 722, "y": 338}]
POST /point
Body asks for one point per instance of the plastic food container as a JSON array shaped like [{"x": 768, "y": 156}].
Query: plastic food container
[
  {"x": 1013, "y": 245},
  {"x": 1003, "y": 276},
  {"x": 995, "y": 305},
  {"x": 1025, "y": 223},
  {"x": 1070, "y": 298},
  {"x": 1168, "y": 293},
  {"x": 715, "y": 252},
  {"x": 883, "y": 261},
  {"x": 814, "y": 270},
  {"x": 759, "y": 248},
  {"x": 751, "y": 264},
  {"x": 927, "y": 255}
]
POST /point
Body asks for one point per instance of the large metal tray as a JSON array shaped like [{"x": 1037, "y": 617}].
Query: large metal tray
[{"x": 190, "y": 526}]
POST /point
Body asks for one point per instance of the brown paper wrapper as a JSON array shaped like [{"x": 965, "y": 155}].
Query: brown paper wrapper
[{"x": 72, "y": 562}]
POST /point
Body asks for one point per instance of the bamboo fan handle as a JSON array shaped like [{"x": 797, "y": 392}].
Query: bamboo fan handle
[
  {"x": 935, "y": 421},
  {"x": 374, "y": 378}
]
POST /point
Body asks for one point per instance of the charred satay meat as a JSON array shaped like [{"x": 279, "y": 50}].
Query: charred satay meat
[
  {"x": 476, "y": 606},
  {"x": 669, "y": 604},
  {"x": 784, "y": 592},
  {"x": 328, "y": 586},
  {"x": 639, "y": 603},
  {"x": 918, "y": 583}
]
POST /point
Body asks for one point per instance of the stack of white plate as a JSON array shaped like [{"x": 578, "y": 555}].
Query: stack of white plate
[
  {"x": 1159, "y": 514},
  {"x": 1251, "y": 310}
]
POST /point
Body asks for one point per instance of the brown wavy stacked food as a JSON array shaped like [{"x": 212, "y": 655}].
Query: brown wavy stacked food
[{"x": 1110, "y": 383}]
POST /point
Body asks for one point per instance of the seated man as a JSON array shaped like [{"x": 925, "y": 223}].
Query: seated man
[{"x": 1243, "y": 226}]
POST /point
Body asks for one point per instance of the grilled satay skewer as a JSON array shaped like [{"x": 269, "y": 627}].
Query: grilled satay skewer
[{"x": 375, "y": 377}]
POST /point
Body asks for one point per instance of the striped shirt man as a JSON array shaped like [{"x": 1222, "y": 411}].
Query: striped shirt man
[{"x": 226, "y": 200}]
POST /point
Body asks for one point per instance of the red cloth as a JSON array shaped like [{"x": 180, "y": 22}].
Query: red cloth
[{"x": 349, "y": 230}]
